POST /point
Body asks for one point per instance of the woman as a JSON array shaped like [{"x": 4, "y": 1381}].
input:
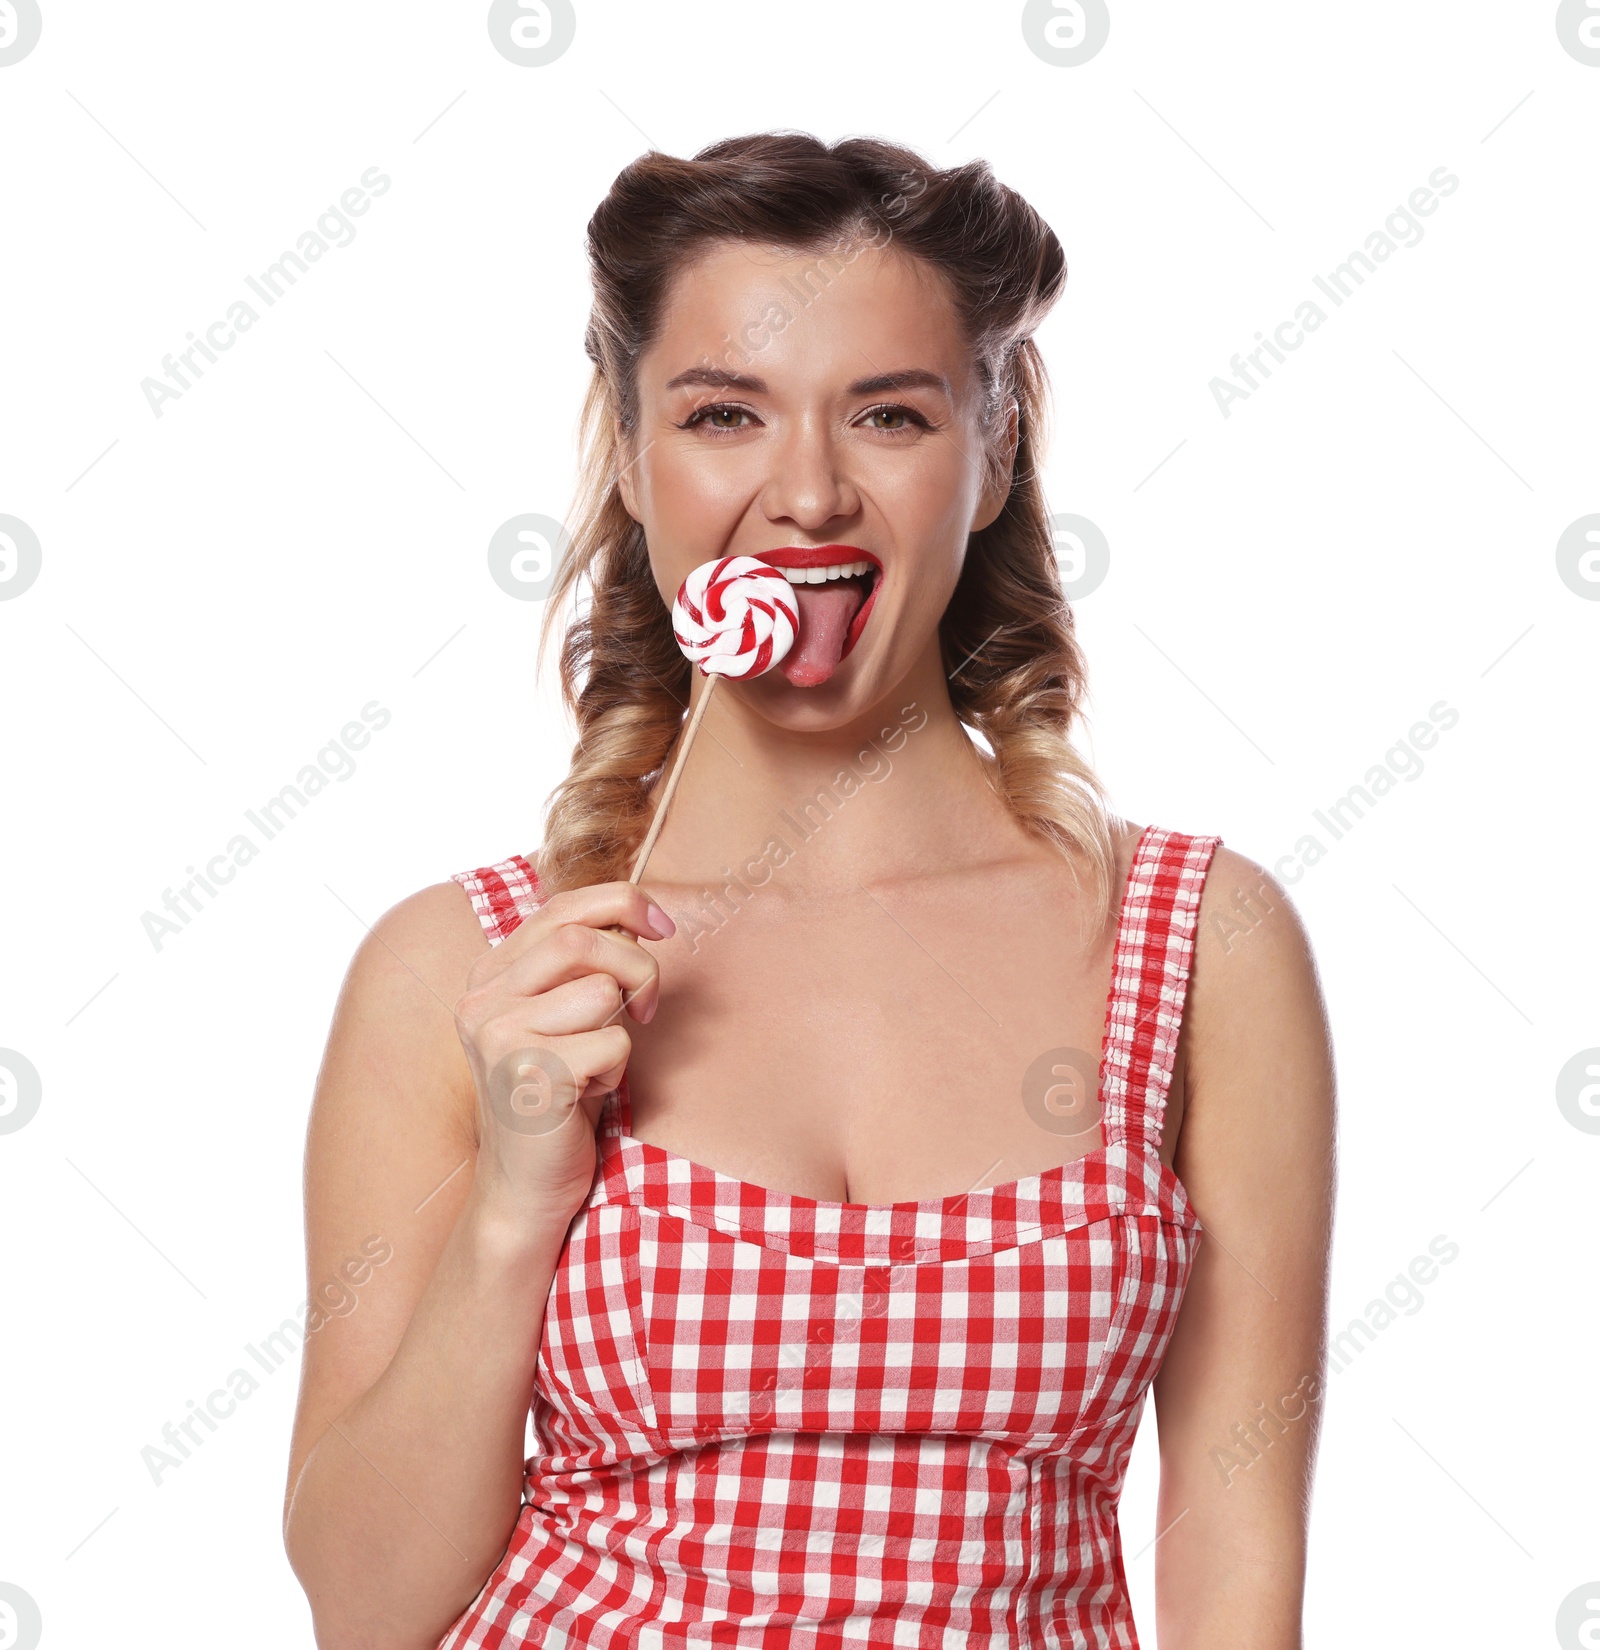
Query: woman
[{"x": 974, "y": 1060}]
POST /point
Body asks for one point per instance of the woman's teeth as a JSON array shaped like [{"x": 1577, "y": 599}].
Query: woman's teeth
[{"x": 822, "y": 575}]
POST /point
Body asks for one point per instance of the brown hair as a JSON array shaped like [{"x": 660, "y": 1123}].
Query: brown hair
[{"x": 1016, "y": 674}]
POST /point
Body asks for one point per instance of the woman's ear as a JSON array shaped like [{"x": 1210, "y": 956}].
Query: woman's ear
[
  {"x": 997, "y": 489},
  {"x": 622, "y": 447}
]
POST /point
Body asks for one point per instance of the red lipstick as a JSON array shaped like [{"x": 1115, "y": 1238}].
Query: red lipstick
[
  {"x": 832, "y": 555},
  {"x": 817, "y": 555}
]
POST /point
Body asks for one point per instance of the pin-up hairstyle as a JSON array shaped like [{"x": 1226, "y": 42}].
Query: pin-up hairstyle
[{"x": 1015, "y": 671}]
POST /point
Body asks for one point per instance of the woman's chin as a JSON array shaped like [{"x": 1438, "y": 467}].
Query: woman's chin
[{"x": 849, "y": 706}]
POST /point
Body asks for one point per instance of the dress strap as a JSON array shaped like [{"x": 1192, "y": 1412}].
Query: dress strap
[
  {"x": 1150, "y": 979},
  {"x": 502, "y": 894}
]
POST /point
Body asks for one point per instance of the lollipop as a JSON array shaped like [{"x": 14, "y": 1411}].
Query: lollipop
[{"x": 734, "y": 616}]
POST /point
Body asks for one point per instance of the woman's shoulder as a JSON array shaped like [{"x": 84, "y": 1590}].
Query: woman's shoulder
[
  {"x": 1252, "y": 972},
  {"x": 427, "y": 941},
  {"x": 394, "y": 1051},
  {"x": 1256, "y": 1013},
  {"x": 1258, "y": 1139},
  {"x": 1199, "y": 853},
  {"x": 1240, "y": 901},
  {"x": 1234, "y": 888}
]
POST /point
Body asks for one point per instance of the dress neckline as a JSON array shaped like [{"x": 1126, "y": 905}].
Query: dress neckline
[
  {"x": 619, "y": 1118},
  {"x": 750, "y": 1191}
]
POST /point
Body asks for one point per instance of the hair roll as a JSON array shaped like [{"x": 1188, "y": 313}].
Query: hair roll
[{"x": 1015, "y": 671}]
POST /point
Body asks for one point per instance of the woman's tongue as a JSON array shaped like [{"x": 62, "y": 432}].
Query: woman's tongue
[{"x": 825, "y": 614}]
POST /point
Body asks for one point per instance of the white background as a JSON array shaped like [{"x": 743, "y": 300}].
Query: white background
[{"x": 1291, "y": 588}]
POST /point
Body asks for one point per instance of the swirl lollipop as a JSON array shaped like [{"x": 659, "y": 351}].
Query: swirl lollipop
[{"x": 734, "y": 616}]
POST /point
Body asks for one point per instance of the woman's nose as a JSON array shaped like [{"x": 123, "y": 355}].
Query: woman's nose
[{"x": 808, "y": 483}]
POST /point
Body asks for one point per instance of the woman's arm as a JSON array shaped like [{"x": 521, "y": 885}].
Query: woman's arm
[
  {"x": 1239, "y": 1395},
  {"x": 406, "y": 1464}
]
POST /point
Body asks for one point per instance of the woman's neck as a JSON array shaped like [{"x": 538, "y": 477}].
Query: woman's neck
[{"x": 901, "y": 790}]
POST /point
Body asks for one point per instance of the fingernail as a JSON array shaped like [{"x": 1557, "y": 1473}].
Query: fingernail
[
  {"x": 650, "y": 1012},
  {"x": 658, "y": 919}
]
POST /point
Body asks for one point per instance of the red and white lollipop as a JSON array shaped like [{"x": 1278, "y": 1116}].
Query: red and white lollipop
[{"x": 735, "y": 616}]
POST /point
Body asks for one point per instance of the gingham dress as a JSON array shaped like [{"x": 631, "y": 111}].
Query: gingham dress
[{"x": 764, "y": 1419}]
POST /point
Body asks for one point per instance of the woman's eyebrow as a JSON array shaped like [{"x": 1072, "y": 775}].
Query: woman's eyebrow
[{"x": 718, "y": 378}]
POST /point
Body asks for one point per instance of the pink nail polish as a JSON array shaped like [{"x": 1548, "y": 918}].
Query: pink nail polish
[{"x": 658, "y": 919}]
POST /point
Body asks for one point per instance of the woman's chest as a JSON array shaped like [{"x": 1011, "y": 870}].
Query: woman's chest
[
  {"x": 679, "y": 1318},
  {"x": 878, "y": 1048}
]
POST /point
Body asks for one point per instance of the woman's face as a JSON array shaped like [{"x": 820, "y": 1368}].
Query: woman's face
[{"x": 799, "y": 401}]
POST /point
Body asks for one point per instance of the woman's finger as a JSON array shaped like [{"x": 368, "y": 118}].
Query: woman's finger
[
  {"x": 566, "y": 1062},
  {"x": 588, "y": 1003},
  {"x": 573, "y": 950},
  {"x": 622, "y": 905}
]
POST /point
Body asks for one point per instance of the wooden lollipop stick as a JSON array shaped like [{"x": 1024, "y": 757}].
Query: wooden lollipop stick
[
  {"x": 672, "y": 779},
  {"x": 737, "y": 611}
]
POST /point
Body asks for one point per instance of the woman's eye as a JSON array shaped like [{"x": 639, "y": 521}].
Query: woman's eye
[
  {"x": 710, "y": 416},
  {"x": 719, "y": 417},
  {"x": 916, "y": 420}
]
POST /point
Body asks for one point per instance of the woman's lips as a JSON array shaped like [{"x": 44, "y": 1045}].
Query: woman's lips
[
  {"x": 817, "y": 555},
  {"x": 812, "y": 661}
]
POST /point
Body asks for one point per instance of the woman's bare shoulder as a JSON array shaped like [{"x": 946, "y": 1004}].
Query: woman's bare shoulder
[
  {"x": 1259, "y": 1046},
  {"x": 426, "y": 943},
  {"x": 396, "y": 1008},
  {"x": 1249, "y": 937}
]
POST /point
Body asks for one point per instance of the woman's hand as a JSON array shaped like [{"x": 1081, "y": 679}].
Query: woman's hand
[{"x": 539, "y": 1023}]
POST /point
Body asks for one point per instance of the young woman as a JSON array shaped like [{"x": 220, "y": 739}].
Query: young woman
[{"x": 853, "y": 1217}]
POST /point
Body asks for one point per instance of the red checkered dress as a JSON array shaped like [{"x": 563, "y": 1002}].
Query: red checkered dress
[{"x": 774, "y": 1420}]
